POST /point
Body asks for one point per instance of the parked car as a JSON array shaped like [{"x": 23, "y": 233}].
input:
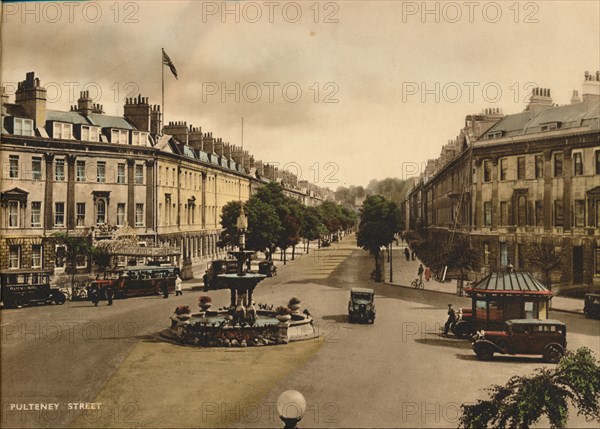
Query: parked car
[
  {"x": 591, "y": 306},
  {"x": 361, "y": 307},
  {"x": 25, "y": 287},
  {"x": 463, "y": 327},
  {"x": 267, "y": 268},
  {"x": 220, "y": 266},
  {"x": 524, "y": 336}
]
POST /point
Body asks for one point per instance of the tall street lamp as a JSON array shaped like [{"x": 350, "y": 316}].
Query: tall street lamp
[{"x": 242, "y": 226}]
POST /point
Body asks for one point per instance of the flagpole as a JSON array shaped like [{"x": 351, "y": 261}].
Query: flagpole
[{"x": 162, "y": 68}]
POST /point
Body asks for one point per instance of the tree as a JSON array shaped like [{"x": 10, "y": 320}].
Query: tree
[
  {"x": 545, "y": 257},
  {"x": 312, "y": 225},
  {"x": 379, "y": 222},
  {"x": 229, "y": 215},
  {"x": 459, "y": 255},
  {"x": 291, "y": 220},
  {"x": 77, "y": 248},
  {"x": 264, "y": 226},
  {"x": 525, "y": 399}
]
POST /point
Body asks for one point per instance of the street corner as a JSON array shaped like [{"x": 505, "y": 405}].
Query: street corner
[{"x": 198, "y": 381}]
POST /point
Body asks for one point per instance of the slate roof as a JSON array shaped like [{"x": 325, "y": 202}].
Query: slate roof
[
  {"x": 68, "y": 117},
  {"x": 508, "y": 282},
  {"x": 530, "y": 122},
  {"x": 106, "y": 121}
]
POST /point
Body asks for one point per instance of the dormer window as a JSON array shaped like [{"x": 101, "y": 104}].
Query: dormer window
[
  {"x": 90, "y": 133},
  {"x": 139, "y": 138},
  {"x": 22, "y": 127},
  {"x": 550, "y": 126},
  {"x": 63, "y": 131},
  {"x": 495, "y": 135},
  {"x": 119, "y": 136}
]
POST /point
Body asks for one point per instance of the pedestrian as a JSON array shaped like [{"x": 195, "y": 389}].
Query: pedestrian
[
  {"x": 178, "y": 282},
  {"x": 413, "y": 254},
  {"x": 205, "y": 280},
  {"x": 427, "y": 274},
  {"x": 420, "y": 273},
  {"x": 407, "y": 254},
  {"x": 94, "y": 293},
  {"x": 110, "y": 293},
  {"x": 165, "y": 288},
  {"x": 451, "y": 319}
]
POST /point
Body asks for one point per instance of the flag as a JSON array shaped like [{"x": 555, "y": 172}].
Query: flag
[{"x": 167, "y": 62}]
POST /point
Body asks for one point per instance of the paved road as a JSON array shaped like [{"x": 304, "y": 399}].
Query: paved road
[{"x": 397, "y": 372}]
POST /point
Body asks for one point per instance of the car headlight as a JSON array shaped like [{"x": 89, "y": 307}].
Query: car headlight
[
  {"x": 356, "y": 306},
  {"x": 368, "y": 306}
]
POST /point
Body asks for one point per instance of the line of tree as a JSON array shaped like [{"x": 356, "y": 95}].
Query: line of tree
[
  {"x": 391, "y": 188},
  {"x": 276, "y": 221},
  {"x": 380, "y": 221}
]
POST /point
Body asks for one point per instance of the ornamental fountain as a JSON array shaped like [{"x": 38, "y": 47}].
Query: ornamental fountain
[{"x": 240, "y": 324}]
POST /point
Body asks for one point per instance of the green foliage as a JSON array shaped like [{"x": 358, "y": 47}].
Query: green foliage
[
  {"x": 264, "y": 226},
  {"x": 380, "y": 221},
  {"x": 312, "y": 224},
  {"x": 229, "y": 214},
  {"x": 544, "y": 257},
  {"x": 524, "y": 400}
]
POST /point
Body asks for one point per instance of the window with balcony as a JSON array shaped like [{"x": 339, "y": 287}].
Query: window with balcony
[
  {"x": 80, "y": 219},
  {"x": 522, "y": 210},
  {"x": 486, "y": 254},
  {"x": 539, "y": 166},
  {"x": 121, "y": 173},
  {"x": 579, "y": 213},
  {"x": 487, "y": 214},
  {"x": 539, "y": 213},
  {"x": 80, "y": 171},
  {"x": 62, "y": 131},
  {"x": 503, "y": 169},
  {"x": 59, "y": 214},
  {"x": 23, "y": 127},
  {"x": 139, "y": 174},
  {"x": 120, "y": 214},
  {"x": 13, "y": 166},
  {"x": 36, "y": 256},
  {"x": 14, "y": 257},
  {"x": 36, "y": 214},
  {"x": 503, "y": 213},
  {"x": 521, "y": 168},
  {"x": 577, "y": 164},
  {"x": 558, "y": 213},
  {"x": 100, "y": 211},
  {"x": 139, "y": 215},
  {"x": 487, "y": 171},
  {"x": 558, "y": 164},
  {"x": 503, "y": 254},
  {"x": 59, "y": 170},
  {"x": 36, "y": 168},
  {"x": 13, "y": 214},
  {"x": 101, "y": 172}
]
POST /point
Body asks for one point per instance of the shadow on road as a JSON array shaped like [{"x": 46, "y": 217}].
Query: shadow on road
[
  {"x": 500, "y": 359},
  {"x": 339, "y": 318},
  {"x": 444, "y": 342}
]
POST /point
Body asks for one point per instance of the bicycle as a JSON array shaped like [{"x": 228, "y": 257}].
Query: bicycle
[{"x": 418, "y": 283}]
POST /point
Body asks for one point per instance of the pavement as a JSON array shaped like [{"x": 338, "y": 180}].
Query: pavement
[{"x": 404, "y": 272}]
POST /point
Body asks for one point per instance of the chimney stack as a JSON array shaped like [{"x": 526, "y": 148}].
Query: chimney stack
[
  {"x": 575, "y": 97},
  {"x": 591, "y": 87},
  {"x": 31, "y": 96},
  {"x": 84, "y": 104},
  {"x": 138, "y": 112},
  {"x": 156, "y": 120},
  {"x": 540, "y": 99},
  {"x": 179, "y": 130},
  {"x": 195, "y": 137},
  {"x": 208, "y": 143}
]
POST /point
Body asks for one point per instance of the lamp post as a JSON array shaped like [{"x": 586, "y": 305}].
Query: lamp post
[
  {"x": 242, "y": 226},
  {"x": 291, "y": 406},
  {"x": 391, "y": 267}
]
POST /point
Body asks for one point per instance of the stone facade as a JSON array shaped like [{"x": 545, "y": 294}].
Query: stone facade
[{"x": 521, "y": 178}]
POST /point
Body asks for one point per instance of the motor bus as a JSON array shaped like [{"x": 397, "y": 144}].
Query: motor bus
[
  {"x": 138, "y": 281},
  {"x": 25, "y": 287}
]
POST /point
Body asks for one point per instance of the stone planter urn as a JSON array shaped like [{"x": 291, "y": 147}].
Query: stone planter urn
[
  {"x": 205, "y": 306},
  {"x": 295, "y": 308},
  {"x": 283, "y": 318}
]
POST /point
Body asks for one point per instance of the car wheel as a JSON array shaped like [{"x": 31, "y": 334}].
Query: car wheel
[
  {"x": 553, "y": 353},
  {"x": 19, "y": 303},
  {"x": 484, "y": 352},
  {"x": 59, "y": 298}
]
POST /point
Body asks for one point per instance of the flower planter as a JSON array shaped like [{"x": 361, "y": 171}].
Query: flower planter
[
  {"x": 283, "y": 318},
  {"x": 205, "y": 306},
  {"x": 294, "y": 307}
]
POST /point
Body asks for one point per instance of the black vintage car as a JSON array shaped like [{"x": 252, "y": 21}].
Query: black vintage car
[
  {"x": 220, "y": 266},
  {"x": 361, "y": 307},
  {"x": 26, "y": 287},
  {"x": 591, "y": 306}
]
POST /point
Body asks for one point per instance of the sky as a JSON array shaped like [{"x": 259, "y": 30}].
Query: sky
[{"x": 338, "y": 92}]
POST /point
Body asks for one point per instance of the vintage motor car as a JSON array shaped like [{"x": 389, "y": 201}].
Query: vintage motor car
[
  {"x": 361, "y": 307},
  {"x": 591, "y": 306},
  {"x": 220, "y": 266},
  {"x": 267, "y": 268},
  {"x": 25, "y": 287},
  {"x": 463, "y": 327},
  {"x": 524, "y": 336}
]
